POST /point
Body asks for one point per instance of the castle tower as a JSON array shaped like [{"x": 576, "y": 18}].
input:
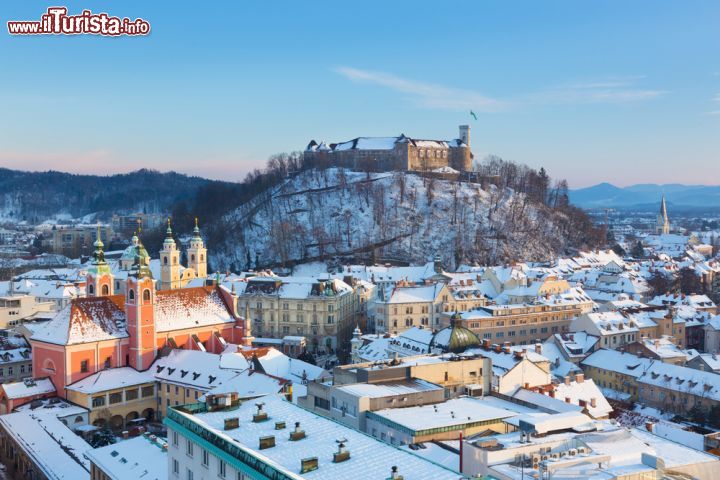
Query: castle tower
[
  {"x": 465, "y": 134},
  {"x": 140, "y": 312},
  {"x": 99, "y": 280},
  {"x": 662, "y": 226},
  {"x": 197, "y": 254},
  {"x": 169, "y": 262}
]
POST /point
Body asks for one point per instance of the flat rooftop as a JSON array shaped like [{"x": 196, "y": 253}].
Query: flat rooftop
[
  {"x": 369, "y": 458},
  {"x": 457, "y": 412},
  {"x": 389, "y": 389}
]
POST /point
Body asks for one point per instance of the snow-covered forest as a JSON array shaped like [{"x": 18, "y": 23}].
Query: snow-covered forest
[{"x": 400, "y": 216}]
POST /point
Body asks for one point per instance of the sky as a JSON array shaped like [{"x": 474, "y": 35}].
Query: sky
[{"x": 612, "y": 91}]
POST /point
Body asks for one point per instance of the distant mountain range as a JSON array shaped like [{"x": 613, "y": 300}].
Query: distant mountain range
[{"x": 647, "y": 196}]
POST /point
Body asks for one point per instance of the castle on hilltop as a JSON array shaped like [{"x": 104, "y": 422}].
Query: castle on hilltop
[{"x": 394, "y": 153}]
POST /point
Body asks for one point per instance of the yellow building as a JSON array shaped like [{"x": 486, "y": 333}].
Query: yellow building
[{"x": 116, "y": 397}]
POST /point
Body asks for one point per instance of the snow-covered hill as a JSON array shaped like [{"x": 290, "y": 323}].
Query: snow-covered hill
[{"x": 394, "y": 215}]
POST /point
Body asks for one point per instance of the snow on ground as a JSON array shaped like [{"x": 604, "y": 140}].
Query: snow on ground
[
  {"x": 338, "y": 212},
  {"x": 312, "y": 269}
]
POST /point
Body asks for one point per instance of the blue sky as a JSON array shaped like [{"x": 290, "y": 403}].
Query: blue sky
[{"x": 617, "y": 91}]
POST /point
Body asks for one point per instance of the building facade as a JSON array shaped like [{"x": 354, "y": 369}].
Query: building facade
[{"x": 394, "y": 153}]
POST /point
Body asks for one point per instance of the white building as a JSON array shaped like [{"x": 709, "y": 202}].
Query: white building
[{"x": 276, "y": 439}]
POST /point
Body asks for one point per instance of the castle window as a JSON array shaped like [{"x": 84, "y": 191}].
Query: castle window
[
  {"x": 105, "y": 290},
  {"x": 165, "y": 260},
  {"x": 91, "y": 289},
  {"x": 146, "y": 295},
  {"x": 131, "y": 295}
]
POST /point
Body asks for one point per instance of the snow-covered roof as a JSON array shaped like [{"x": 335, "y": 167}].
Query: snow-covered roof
[
  {"x": 52, "y": 446},
  {"x": 584, "y": 392},
  {"x": 389, "y": 389},
  {"x": 28, "y": 388},
  {"x": 190, "y": 307},
  {"x": 456, "y": 413},
  {"x": 695, "y": 301},
  {"x": 110, "y": 379},
  {"x": 683, "y": 379},
  {"x": 369, "y": 457},
  {"x": 194, "y": 368},
  {"x": 249, "y": 384},
  {"x": 139, "y": 457},
  {"x": 88, "y": 319},
  {"x": 416, "y": 294},
  {"x": 93, "y": 319},
  {"x": 544, "y": 402},
  {"x": 620, "y": 362}
]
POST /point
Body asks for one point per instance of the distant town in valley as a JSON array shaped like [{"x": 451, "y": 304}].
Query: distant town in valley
[{"x": 393, "y": 297}]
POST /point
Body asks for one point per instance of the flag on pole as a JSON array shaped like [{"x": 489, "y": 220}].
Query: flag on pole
[{"x": 473, "y": 114}]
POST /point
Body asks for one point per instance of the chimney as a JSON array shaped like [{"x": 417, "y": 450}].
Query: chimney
[
  {"x": 593, "y": 402},
  {"x": 342, "y": 453},
  {"x": 497, "y": 348},
  {"x": 579, "y": 377},
  {"x": 506, "y": 349},
  {"x": 567, "y": 380},
  {"x": 657, "y": 344},
  {"x": 567, "y": 399},
  {"x": 538, "y": 348},
  {"x": 552, "y": 393},
  {"x": 297, "y": 434},
  {"x": 649, "y": 426},
  {"x": 394, "y": 475}
]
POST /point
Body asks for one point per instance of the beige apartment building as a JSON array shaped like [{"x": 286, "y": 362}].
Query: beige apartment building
[
  {"x": 76, "y": 240},
  {"x": 520, "y": 324},
  {"x": 16, "y": 308},
  {"x": 323, "y": 311}
]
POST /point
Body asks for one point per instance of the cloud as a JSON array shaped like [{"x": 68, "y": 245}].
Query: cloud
[
  {"x": 440, "y": 97},
  {"x": 611, "y": 90},
  {"x": 427, "y": 95}
]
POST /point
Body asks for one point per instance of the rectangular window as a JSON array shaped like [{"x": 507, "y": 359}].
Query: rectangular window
[
  {"x": 205, "y": 458},
  {"x": 176, "y": 466},
  {"x": 116, "y": 397},
  {"x": 131, "y": 394},
  {"x": 148, "y": 391},
  {"x": 221, "y": 468},
  {"x": 84, "y": 366},
  {"x": 98, "y": 401},
  {"x": 175, "y": 438},
  {"x": 189, "y": 474},
  {"x": 189, "y": 448}
]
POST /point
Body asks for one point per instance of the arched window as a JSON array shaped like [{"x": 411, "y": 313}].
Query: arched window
[
  {"x": 146, "y": 295},
  {"x": 202, "y": 258},
  {"x": 91, "y": 289},
  {"x": 165, "y": 260},
  {"x": 105, "y": 290},
  {"x": 49, "y": 366},
  {"x": 131, "y": 295},
  {"x": 79, "y": 419},
  {"x": 192, "y": 257}
]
